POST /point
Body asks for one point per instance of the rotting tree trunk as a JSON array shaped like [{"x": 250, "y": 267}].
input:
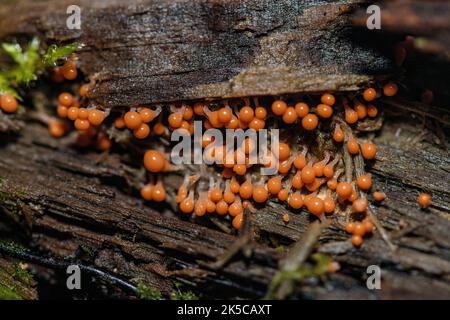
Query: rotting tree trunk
[
  {"x": 67, "y": 201},
  {"x": 152, "y": 51}
]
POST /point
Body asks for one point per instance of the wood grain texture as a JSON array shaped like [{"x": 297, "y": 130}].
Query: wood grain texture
[{"x": 141, "y": 52}]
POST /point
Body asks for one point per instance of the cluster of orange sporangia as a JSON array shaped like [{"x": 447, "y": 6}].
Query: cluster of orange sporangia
[{"x": 308, "y": 179}]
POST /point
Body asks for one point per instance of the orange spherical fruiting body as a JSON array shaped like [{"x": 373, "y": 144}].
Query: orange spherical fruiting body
[
  {"x": 237, "y": 221},
  {"x": 246, "y": 114},
  {"x": 84, "y": 90},
  {"x": 261, "y": 113},
  {"x": 350, "y": 227},
  {"x": 154, "y": 161},
  {"x": 338, "y": 134},
  {"x": 96, "y": 117},
  {"x": 364, "y": 182},
  {"x": 328, "y": 99},
  {"x": 319, "y": 168},
  {"x": 285, "y": 218},
  {"x": 351, "y": 116},
  {"x": 359, "y": 205},
  {"x": 175, "y": 120},
  {"x": 234, "y": 185},
  {"x": 198, "y": 108},
  {"x": 297, "y": 181},
  {"x": 233, "y": 123},
  {"x": 200, "y": 208},
  {"x": 69, "y": 70},
  {"x": 316, "y": 206},
  {"x": 188, "y": 113},
  {"x": 83, "y": 113},
  {"x": 368, "y": 226},
  {"x": 302, "y": 109},
  {"x": 224, "y": 115},
  {"x": 369, "y": 94},
  {"x": 215, "y": 194},
  {"x": 379, "y": 196},
  {"x": 187, "y": 205},
  {"x": 147, "y": 192},
  {"x": 290, "y": 116},
  {"x": 361, "y": 110},
  {"x": 257, "y": 124},
  {"x": 284, "y": 166},
  {"x": 372, "y": 111},
  {"x": 424, "y": 200},
  {"x": 147, "y": 114},
  {"x": 56, "y": 128},
  {"x": 210, "y": 206},
  {"x": 159, "y": 193},
  {"x": 229, "y": 196},
  {"x": 246, "y": 190},
  {"x": 66, "y": 99},
  {"x": 72, "y": 113},
  {"x": 328, "y": 171},
  {"x": 332, "y": 184},
  {"x": 159, "y": 129},
  {"x": 390, "y": 89},
  {"x": 142, "y": 131},
  {"x": 352, "y": 147},
  {"x": 308, "y": 175},
  {"x": 359, "y": 229},
  {"x": 81, "y": 124},
  {"x": 274, "y": 185},
  {"x": 260, "y": 194},
  {"x": 310, "y": 122},
  {"x": 235, "y": 208},
  {"x": 279, "y": 107},
  {"x": 329, "y": 205},
  {"x": 324, "y": 111},
  {"x": 8, "y": 103},
  {"x": 295, "y": 200},
  {"x": 284, "y": 151},
  {"x": 62, "y": 111},
  {"x": 357, "y": 240},
  {"x": 283, "y": 194},
  {"x": 368, "y": 150},
  {"x": 103, "y": 143},
  {"x": 222, "y": 207},
  {"x": 132, "y": 120},
  {"x": 119, "y": 123},
  {"x": 300, "y": 161},
  {"x": 240, "y": 169},
  {"x": 344, "y": 190}
]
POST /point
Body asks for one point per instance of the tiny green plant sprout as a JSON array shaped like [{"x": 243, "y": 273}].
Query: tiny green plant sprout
[{"x": 26, "y": 64}]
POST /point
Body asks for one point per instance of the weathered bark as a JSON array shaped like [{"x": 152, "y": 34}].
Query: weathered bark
[
  {"x": 141, "y": 52},
  {"x": 71, "y": 202}
]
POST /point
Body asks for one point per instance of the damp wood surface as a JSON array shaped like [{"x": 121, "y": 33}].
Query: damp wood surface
[
  {"x": 142, "y": 52},
  {"x": 65, "y": 201}
]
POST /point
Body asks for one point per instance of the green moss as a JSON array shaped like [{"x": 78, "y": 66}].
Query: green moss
[
  {"x": 7, "y": 293},
  {"x": 22, "y": 275},
  {"x": 179, "y": 294},
  {"x": 317, "y": 268},
  {"x": 30, "y": 62},
  {"x": 147, "y": 292}
]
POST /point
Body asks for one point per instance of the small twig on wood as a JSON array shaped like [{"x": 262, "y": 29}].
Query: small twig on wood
[
  {"x": 383, "y": 232},
  {"x": 293, "y": 261},
  {"x": 60, "y": 264}
]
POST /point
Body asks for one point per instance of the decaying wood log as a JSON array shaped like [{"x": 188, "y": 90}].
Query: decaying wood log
[
  {"x": 16, "y": 283},
  {"x": 141, "y": 52},
  {"x": 68, "y": 201},
  {"x": 84, "y": 206}
]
